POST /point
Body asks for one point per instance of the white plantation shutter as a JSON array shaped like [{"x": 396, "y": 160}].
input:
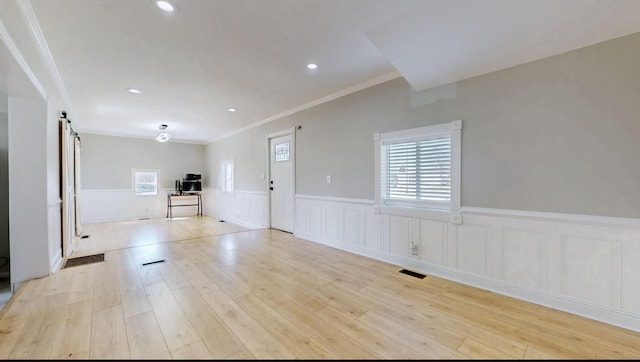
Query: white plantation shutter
[{"x": 417, "y": 171}]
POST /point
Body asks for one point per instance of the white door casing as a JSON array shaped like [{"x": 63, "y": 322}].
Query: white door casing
[
  {"x": 68, "y": 189},
  {"x": 282, "y": 179},
  {"x": 76, "y": 194}
]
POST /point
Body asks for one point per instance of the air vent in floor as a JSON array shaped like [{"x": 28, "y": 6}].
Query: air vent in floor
[
  {"x": 412, "y": 273},
  {"x": 82, "y": 260},
  {"x": 153, "y": 262}
]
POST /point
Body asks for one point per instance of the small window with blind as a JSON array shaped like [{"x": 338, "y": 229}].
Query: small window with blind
[
  {"x": 145, "y": 182},
  {"x": 419, "y": 168}
]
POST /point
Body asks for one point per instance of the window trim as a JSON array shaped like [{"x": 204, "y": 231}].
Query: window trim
[
  {"x": 134, "y": 183},
  {"x": 223, "y": 176},
  {"x": 452, "y": 214}
]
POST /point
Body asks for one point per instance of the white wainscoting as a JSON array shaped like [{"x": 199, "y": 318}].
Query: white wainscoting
[
  {"x": 122, "y": 204},
  {"x": 241, "y": 207},
  {"x": 584, "y": 265},
  {"x": 55, "y": 234},
  {"x": 246, "y": 208}
]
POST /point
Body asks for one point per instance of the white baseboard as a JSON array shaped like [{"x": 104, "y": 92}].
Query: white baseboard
[
  {"x": 56, "y": 262},
  {"x": 573, "y": 263},
  {"x": 239, "y": 222}
]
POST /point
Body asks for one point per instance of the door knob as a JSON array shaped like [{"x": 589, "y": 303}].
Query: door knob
[{"x": 271, "y": 188}]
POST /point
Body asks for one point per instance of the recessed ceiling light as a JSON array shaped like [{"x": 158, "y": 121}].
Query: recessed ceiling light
[
  {"x": 231, "y": 109},
  {"x": 134, "y": 90},
  {"x": 312, "y": 66},
  {"x": 166, "y": 6},
  {"x": 163, "y": 137}
]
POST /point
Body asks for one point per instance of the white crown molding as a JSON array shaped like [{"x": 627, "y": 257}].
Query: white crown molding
[
  {"x": 370, "y": 83},
  {"x": 26, "y": 9},
  {"x": 145, "y": 138},
  {"x": 13, "y": 49}
]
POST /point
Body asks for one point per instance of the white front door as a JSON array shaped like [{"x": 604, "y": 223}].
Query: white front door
[{"x": 281, "y": 182}]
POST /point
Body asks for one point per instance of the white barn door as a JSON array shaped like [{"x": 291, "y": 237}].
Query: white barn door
[
  {"x": 68, "y": 188},
  {"x": 76, "y": 185}
]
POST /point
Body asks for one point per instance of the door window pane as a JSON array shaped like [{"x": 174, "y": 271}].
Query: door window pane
[{"x": 282, "y": 151}]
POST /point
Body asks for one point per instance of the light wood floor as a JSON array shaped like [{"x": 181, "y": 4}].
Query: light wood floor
[{"x": 225, "y": 292}]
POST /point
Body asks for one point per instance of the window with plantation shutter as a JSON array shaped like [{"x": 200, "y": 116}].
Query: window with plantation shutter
[{"x": 419, "y": 168}]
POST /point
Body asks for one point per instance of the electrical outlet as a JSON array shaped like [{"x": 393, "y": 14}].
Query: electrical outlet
[
  {"x": 413, "y": 248},
  {"x": 329, "y": 179}
]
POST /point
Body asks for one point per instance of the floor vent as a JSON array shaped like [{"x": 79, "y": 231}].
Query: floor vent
[
  {"x": 412, "y": 273},
  {"x": 84, "y": 237},
  {"x": 144, "y": 218},
  {"x": 82, "y": 260},
  {"x": 153, "y": 262}
]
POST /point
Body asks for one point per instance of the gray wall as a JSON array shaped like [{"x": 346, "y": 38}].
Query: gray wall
[
  {"x": 106, "y": 161},
  {"x": 4, "y": 185},
  {"x": 556, "y": 135},
  {"x": 4, "y": 180},
  {"x": 28, "y": 221}
]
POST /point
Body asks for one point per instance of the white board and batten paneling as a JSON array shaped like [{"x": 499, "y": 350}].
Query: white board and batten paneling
[
  {"x": 244, "y": 208},
  {"x": 585, "y": 265},
  {"x": 55, "y": 228}
]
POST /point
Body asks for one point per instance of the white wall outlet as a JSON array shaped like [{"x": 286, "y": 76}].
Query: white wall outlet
[
  {"x": 413, "y": 249},
  {"x": 328, "y": 179},
  {"x": 262, "y": 176}
]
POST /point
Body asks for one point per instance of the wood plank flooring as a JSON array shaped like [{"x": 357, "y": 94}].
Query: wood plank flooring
[{"x": 225, "y": 292}]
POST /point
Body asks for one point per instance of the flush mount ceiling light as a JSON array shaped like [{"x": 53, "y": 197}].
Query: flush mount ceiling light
[
  {"x": 231, "y": 109},
  {"x": 312, "y": 66},
  {"x": 166, "y": 6},
  {"x": 164, "y": 136},
  {"x": 134, "y": 90}
]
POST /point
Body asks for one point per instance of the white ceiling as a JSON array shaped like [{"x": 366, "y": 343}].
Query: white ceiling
[{"x": 251, "y": 54}]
